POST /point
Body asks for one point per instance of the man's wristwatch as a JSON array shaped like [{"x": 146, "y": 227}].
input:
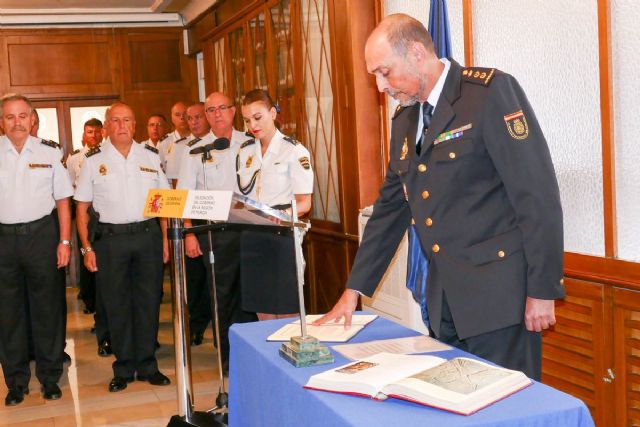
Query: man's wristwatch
[
  {"x": 65, "y": 242},
  {"x": 86, "y": 250}
]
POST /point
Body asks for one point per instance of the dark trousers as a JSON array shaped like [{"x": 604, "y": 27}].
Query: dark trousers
[
  {"x": 92, "y": 303},
  {"x": 226, "y": 249},
  {"x": 198, "y": 299},
  {"x": 513, "y": 347},
  {"x": 129, "y": 284},
  {"x": 29, "y": 278}
]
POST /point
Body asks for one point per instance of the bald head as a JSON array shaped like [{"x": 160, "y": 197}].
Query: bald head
[
  {"x": 120, "y": 124},
  {"x": 179, "y": 118},
  {"x": 400, "y": 53}
]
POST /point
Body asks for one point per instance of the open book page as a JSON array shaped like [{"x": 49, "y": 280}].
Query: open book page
[
  {"x": 460, "y": 385},
  {"x": 369, "y": 376},
  {"x": 328, "y": 332},
  {"x": 408, "y": 345}
]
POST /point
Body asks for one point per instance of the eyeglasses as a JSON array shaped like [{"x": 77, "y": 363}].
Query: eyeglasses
[{"x": 222, "y": 109}]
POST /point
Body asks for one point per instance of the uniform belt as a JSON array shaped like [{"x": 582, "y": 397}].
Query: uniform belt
[
  {"x": 23, "y": 228},
  {"x": 130, "y": 228}
]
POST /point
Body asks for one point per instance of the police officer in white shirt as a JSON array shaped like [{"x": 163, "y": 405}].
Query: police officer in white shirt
[
  {"x": 176, "y": 143},
  {"x": 91, "y": 137},
  {"x": 220, "y": 175},
  {"x": 272, "y": 169},
  {"x": 34, "y": 244},
  {"x": 158, "y": 136},
  {"x": 130, "y": 250}
]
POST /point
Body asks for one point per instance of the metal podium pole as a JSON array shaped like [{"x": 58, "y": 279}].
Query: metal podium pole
[{"x": 186, "y": 415}]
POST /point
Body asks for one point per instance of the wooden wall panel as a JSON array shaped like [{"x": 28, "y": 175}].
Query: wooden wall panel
[
  {"x": 574, "y": 350},
  {"x": 627, "y": 357},
  {"x": 57, "y": 63},
  {"x": 154, "y": 61}
]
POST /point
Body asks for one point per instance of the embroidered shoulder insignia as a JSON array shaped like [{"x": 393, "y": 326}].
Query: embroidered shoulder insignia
[
  {"x": 94, "y": 150},
  {"x": 481, "y": 76},
  {"x": 193, "y": 142},
  {"x": 150, "y": 148},
  {"x": 180, "y": 140},
  {"x": 399, "y": 109},
  {"x": 51, "y": 144},
  {"x": 249, "y": 134},
  {"x": 291, "y": 140},
  {"x": 166, "y": 135},
  {"x": 248, "y": 143},
  {"x": 74, "y": 152}
]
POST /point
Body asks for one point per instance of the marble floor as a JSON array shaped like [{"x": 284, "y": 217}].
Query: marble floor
[{"x": 86, "y": 402}]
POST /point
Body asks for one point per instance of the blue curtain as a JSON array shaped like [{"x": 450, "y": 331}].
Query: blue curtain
[{"x": 418, "y": 266}]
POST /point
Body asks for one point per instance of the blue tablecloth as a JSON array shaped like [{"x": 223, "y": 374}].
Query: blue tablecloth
[{"x": 265, "y": 390}]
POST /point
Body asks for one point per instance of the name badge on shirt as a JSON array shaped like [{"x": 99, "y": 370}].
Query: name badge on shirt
[
  {"x": 143, "y": 169},
  {"x": 39, "y": 165}
]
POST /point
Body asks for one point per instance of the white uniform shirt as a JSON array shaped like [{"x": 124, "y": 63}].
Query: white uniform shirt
[
  {"x": 118, "y": 186},
  {"x": 161, "y": 147},
  {"x": 74, "y": 164},
  {"x": 275, "y": 179},
  {"x": 220, "y": 170},
  {"x": 30, "y": 181},
  {"x": 175, "y": 151}
]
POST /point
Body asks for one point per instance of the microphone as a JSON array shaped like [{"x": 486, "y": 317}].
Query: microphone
[{"x": 218, "y": 145}]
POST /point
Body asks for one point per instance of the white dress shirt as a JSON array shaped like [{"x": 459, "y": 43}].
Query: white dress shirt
[
  {"x": 118, "y": 186},
  {"x": 30, "y": 181},
  {"x": 284, "y": 171},
  {"x": 176, "y": 147},
  {"x": 74, "y": 164}
]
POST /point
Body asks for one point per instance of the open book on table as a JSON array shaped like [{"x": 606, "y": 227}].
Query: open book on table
[
  {"x": 328, "y": 332},
  {"x": 459, "y": 385}
]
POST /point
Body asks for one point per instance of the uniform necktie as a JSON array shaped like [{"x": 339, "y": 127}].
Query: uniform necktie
[{"x": 427, "y": 111}]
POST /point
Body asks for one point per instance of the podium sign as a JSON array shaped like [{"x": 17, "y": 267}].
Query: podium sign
[{"x": 193, "y": 204}]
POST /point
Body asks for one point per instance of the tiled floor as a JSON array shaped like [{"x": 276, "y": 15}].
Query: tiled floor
[{"x": 85, "y": 399}]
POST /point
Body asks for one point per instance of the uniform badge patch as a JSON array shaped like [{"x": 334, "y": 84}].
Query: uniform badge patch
[
  {"x": 39, "y": 165},
  {"x": 304, "y": 162},
  {"x": 405, "y": 150},
  {"x": 517, "y": 125},
  {"x": 102, "y": 170},
  {"x": 247, "y": 164}
]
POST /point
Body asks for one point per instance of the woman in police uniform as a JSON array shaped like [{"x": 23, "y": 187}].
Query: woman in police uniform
[{"x": 272, "y": 169}]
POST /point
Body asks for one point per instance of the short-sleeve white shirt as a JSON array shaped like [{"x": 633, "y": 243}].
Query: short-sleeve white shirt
[
  {"x": 30, "y": 181},
  {"x": 275, "y": 179},
  {"x": 74, "y": 164},
  {"x": 118, "y": 186},
  {"x": 176, "y": 147}
]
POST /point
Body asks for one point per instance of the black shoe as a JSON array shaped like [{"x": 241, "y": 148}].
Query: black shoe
[
  {"x": 66, "y": 358},
  {"x": 51, "y": 391},
  {"x": 196, "y": 338},
  {"x": 104, "y": 349},
  {"x": 15, "y": 396},
  {"x": 157, "y": 378},
  {"x": 119, "y": 383}
]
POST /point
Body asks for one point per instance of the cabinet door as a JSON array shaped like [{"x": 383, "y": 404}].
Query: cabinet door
[
  {"x": 573, "y": 352},
  {"x": 626, "y": 332}
]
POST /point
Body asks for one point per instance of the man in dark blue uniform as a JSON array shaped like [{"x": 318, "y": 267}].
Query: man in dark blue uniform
[{"x": 470, "y": 167}]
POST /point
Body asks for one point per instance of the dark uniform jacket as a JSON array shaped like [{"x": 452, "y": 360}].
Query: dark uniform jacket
[{"x": 484, "y": 199}]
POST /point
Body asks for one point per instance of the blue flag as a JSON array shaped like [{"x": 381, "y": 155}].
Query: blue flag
[{"x": 418, "y": 266}]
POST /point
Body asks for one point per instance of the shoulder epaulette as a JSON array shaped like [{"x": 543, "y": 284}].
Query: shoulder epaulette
[
  {"x": 248, "y": 143},
  {"x": 481, "y": 76},
  {"x": 74, "y": 152},
  {"x": 49, "y": 143},
  {"x": 399, "y": 109},
  {"x": 150, "y": 148},
  {"x": 94, "y": 150},
  {"x": 249, "y": 134},
  {"x": 166, "y": 135},
  {"x": 193, "y": 142},
  {"x": 180, "y": 140},
  {"x": 291, "y": 140}
]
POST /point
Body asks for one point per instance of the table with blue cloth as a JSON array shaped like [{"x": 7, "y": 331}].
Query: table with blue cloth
[{"x": 265, "y": 390}]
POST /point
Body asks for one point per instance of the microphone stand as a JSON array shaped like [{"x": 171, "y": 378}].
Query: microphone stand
[
  {"x": 187, "y": 417},
  {"x": 221, "y": 409}
]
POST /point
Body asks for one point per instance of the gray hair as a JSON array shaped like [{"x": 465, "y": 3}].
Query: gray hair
[
  {"x": 403, "y": 30},
  {"x": 14, "y": 97}
]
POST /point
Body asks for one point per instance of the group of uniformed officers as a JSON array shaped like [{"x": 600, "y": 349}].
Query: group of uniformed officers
[{"x": 123, "y": 251}]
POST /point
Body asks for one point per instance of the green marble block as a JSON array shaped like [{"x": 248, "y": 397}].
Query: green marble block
[{"x": 305, "y": 351}]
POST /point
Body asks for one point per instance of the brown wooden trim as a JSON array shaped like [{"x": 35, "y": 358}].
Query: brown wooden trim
[
  {"x": 603, "y": 270},
  {"x": 335, "y": 234},
  {"x": 606, "y": 119},
  {"x": 467, "y": 23},
  {"x": 225, "y": 27}
]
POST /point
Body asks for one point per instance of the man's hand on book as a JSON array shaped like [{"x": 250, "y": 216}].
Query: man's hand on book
[
  {"x": 345, "y": 307},
  {"x": 539, "y": 314}
]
